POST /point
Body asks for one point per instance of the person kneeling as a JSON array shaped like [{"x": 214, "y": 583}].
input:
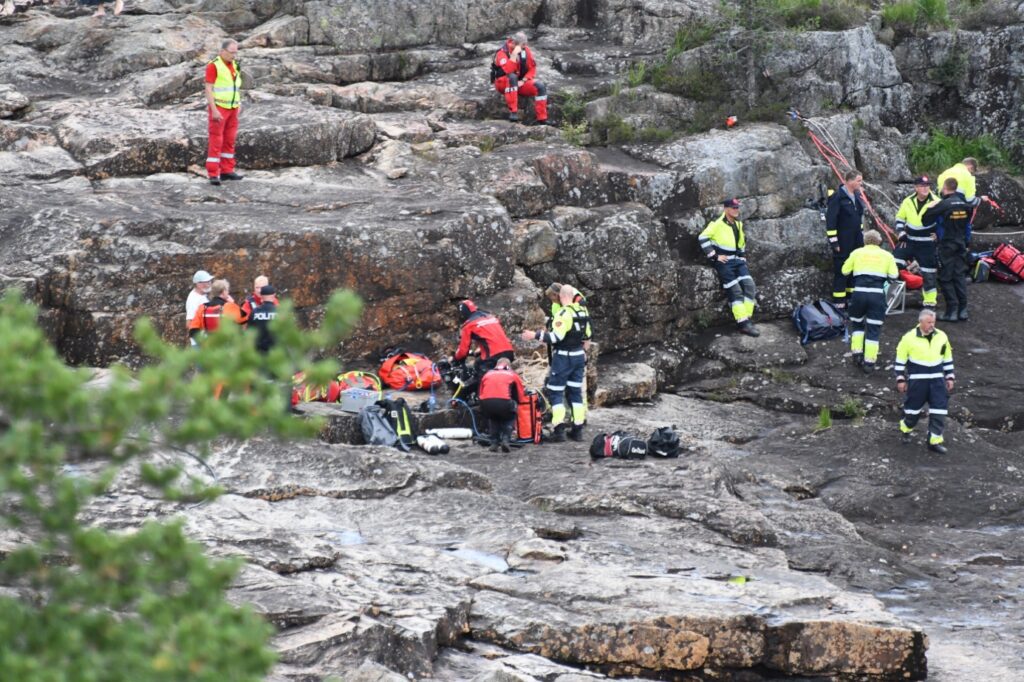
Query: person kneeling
[{"x": 501, "y": 391}]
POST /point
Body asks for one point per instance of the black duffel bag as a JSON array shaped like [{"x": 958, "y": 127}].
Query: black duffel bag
[
  {"x": 620, "y": 445},
  {"x": 664, "y": 442}
]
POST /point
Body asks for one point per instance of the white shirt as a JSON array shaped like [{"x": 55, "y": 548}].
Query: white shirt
[{"x": 192, "y": 303}]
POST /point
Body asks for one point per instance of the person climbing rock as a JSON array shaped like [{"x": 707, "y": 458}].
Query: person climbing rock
[
  {"x": 262, "y": 318},
  {"x": 209, "y": 315},
  {"x": 483, "y": 329},
  {"x": 223, "y": 104},
  {"x": 501, "y": 391},
  {"x": 844, "y": 219},
  {"x": 570, "y": 330},
  {"x": 953, "y": 213},
  {"x": 916, "y": 241},
  {"x": 924, "y": 372},
  {"x": 514, "y": 74},
  {"x": 870, "y": 266},
  {"x": 197, "y": 297},
  {"x": 724, "y": 243}
]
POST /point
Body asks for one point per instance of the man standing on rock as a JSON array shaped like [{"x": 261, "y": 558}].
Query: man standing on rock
[
  {"x": 570, "y": 331},
  {"x": 263, "y": 318},
  {"x": 954, "y": 216},
  {"x": 514, "y": 73},
  {"x": 724, "y": 244},
  {"x": 223, "y": 102},
  {"x": 844, "y": 219},
  {"x": 201, "y": 282},
  {"x": 870, "y": 267},
  {"x": 924, "y": 372},
  {"x": 253, "y": 300},
  {"x": 918, "y": 239}
]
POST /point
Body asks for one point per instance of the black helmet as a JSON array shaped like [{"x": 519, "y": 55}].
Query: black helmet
[{"x": 466, "y": 308}]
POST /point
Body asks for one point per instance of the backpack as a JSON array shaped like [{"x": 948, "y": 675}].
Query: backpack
[
  {"x": 664, "y": 442},
  {"x": 1010, "y": 257},
  {"x": 982, "y": 269},
  {"x": 307, "y": 393},
  {"x": 409, "y": 371},
  {"x": 818, "y": 321},
  {"x": 377, "y": 430},
  {"x": 364, "y": 380},
  {"x": 496, "y": 71},
  {"x": 620, "y": 445},
  {"x": 529, "y": 418},
  {"x": 398, "y": 414}
]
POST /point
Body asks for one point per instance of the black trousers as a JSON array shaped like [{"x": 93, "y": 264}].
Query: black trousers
[
  {"x": 501, "y": 416},
  {"x": 953, "y": 269}
]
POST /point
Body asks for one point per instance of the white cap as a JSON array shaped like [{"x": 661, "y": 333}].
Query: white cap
[{"x": 201, "y": 276}]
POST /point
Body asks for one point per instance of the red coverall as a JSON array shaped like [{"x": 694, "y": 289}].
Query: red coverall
[
  {"x": 520, "y": 79},
  {"x": 220, "y": 154}
]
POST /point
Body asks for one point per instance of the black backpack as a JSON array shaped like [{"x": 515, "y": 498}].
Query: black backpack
[
  {"x": 398, "y": 414},
  {"x": 376, "y": 428},
  {"x": 620, "y": 445},
  {"x": 664, "y": 442},
  {"x": 818, "y": 321}
]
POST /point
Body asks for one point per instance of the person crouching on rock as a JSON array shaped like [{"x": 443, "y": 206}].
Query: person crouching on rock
[
  {"x": 514, "y": 73},
  {"x": 724, "y": 244},
  {"x": 501, "y": 391},
  {"x": 870, "y": 266}
]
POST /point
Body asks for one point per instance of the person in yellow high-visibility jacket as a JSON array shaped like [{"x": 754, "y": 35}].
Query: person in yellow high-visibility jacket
[
  {"x": 223, "y": 103},
  {"x": 871, "y": 267}
]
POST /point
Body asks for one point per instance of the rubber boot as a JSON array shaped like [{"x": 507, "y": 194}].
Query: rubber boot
[
  {"x": 748, "y": 328},
  {"x": 505, "y": 438},
  {"x": 962, "y": 315},
  {"x": 576, "y": 432},
  {"x": 950, "y": 315},
  {"x": 937, "y": 448},
  {"x": 868, "y": 367},
  {"x": 558, "y": 435},
  {"x": 513, "y": 117}
]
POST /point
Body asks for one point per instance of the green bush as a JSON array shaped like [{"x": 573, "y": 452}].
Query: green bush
[
  {"x": 940, "y": 151},
  {"x": 574, "y": 133},
  {"x": 145, "y": 605},
  {"x": 907, "y": 15},
  {"x": 853, "y": 408},
  {"x": 573, "y": 108},
  {"x": 824, "y": 419},
  {"x": 691, "y": 36}
]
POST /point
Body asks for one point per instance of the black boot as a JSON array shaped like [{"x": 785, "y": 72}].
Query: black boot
[
  {"x": 514, "y": 117},
  {"x": 962, "y": 315},
  {"x": 858, "y": 359},
  {"x": 868, "y": 367},
  {"x": 576, "y": 432},
  {"x": 231, "y": 176},
  {"x": 747, "y": 327},
  {"x": 495, "y": 441},
  {"x": 937, "y": 448},
  {"x": 949, "y": 316},
  {"x": 558, "y": 435},
  {"x": 505, "y": 446}
]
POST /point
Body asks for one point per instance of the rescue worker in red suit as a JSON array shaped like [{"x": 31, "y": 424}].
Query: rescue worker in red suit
[
  {"x": 515, "y": 61},
  {"x": 483, "y": 329},
  {"x": 501, "y": 391},
  {"x": 223, "y": 102}
]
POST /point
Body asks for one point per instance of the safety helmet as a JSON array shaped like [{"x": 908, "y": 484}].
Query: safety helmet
[{"x": 466, "y": 308}]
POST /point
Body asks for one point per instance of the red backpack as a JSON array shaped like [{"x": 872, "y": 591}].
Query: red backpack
[
  {"x": 1010, "y": 257},
  {"x": 409, "y": 372},
  {"x": 529, "y": 418}
]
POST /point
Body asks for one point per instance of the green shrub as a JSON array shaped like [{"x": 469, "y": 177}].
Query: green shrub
[
  {"x": 824, "y": 419},
  {"x": 907, "y": 15},
  {"x": 692, "y": 36},
  {"x": 951, "y": 70},
  {"x": 575, "y": 133},
  {"x": 940, "y": 151},
  {"x": 636, "y": 75},
  {"x": 853, "y": 408},
  {"x": 573, "y": 108}
]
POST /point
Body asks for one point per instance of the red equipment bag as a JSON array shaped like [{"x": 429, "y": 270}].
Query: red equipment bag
[
  {"x": 529, "y": 417},
  {"x": 1012, "y": 258},
  {"x": 305, "y": 393},
  {"x": 1000, "y": 273},
  {"x": 911, "y": 280},
  {"x": 409, "y": 372}
]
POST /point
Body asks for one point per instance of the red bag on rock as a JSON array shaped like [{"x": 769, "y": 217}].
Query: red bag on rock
[{"x": 409, "y": 372}]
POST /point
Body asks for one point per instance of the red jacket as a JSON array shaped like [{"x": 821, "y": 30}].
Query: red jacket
[
  {"x": 503, "y": 384},
  {"x": 525, "y": 67},
  {"x": 486, "y": 330}
]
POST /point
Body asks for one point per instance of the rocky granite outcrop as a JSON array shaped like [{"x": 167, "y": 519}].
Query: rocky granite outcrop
[{"x": 376, "y": 159}]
